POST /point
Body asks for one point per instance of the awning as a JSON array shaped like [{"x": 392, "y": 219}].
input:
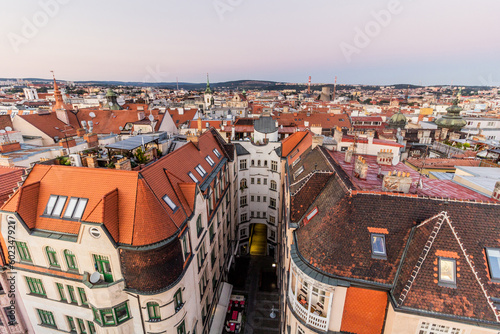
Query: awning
[{"x": 221, "y": 310}]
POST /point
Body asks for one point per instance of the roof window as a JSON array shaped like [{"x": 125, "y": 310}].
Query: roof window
[
  {"x": 76, "y": 207},
  {"x": 55, "y": 205},
  {"x": 170, "y": 203},
  {"x": 493, "y": 255},
  {"x": 191, "y": 175},
  {"x": 447, "y": 272},
  {"x": 210, "y": 161},
  {"x": 200, "y": 170},
  {"x": 378, "y": 246},
  {"x": 216, "y": 152}
]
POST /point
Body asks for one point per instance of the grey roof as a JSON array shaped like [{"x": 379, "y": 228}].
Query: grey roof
[
  {"x": 442, "y": 176},
  {"x": 265, "y": 125},
  {"x": 132, "y": 143},
  {"x": 240, "y": 150}
]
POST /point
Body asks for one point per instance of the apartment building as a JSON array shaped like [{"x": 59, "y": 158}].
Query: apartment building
[{"x": 102, "y": 250}]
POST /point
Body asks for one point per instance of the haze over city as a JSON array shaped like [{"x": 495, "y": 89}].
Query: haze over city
[{"x": 417, "y": 42}]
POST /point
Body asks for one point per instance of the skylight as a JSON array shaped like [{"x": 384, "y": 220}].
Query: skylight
[
  {"x": 378, "y": 245},
  {"x": 191, "y": 175},
  {"x": 494, "y": 263},
  {"x": 170, "y": 203},
  {"x": 447, "y": 271},
  {"x": 55, "y": 205},
  {"x": 298, "y": 172},
  {"x": 76, "y": 207},
  {"x": 200, "y": 170},
  {"x": 216, "y": 152},
  {"x": 312, "y": 214},
  {"x": 210, "y": 161}
]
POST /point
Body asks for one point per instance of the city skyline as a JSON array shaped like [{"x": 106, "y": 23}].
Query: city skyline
[{"x": 377, "y": 42}]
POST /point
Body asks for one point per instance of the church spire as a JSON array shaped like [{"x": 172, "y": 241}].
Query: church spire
[
  {"x": 57, "y": 95},
  {"x": 208, "y": 90}
]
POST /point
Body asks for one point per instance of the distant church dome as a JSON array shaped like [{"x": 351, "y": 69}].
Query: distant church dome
[
  {"x": 452, "y": 120},
  {"x": 398, "y": 120}
]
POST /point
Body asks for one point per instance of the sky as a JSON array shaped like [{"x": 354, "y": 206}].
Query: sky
[{"x": 377, "y": 42}]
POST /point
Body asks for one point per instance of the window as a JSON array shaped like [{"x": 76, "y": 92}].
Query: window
[
  {"x": 378, "y": 245},
  {"x": 252, "y": 180},
  {"x": 243, "y": 232},
  {"x": 298, "y": 172},
  {"x": 252, "y": 199},
  {"x": 272, "y": 202},
  {"x": 107, "y": 317},
  {"x": 252, "y": 214},
  {"x": 55, "y": 205},
  {"x": 312, "y": 214},
  {"x": 36, "y": 287},
  {"x": 83, "y": 296},
  {"x": 102, "y": 265},
  {"x": 243, "y": 164},
  {"x": 185, "y": 246},
  {"x": 81, "y": 325},
  {"x": 71, "y": 323},
  {"x": 264, "y": 199},
  {"x": 76, "y": 207},
  {"x": 428, "y": 328},
  {"x": 170, "y": 203},
  {"x": 210, "y": 161},
  {"x": 46, "y": 318},
  {"x": 296, "y": 162},
  {"x": 182, "y": 328},
  {"x": 178, "y": 300},
  {"x": 258, "y": 163},
  {"x": 274, "y": 166},
  {"x": 62, "y": 295},
  {"x": 199, "y": 226},
  {"x": 258, "y": 198},
  {"x": 265, "y": 181},
  {"x": 71, "y": 292},
  {"x": 200, "y": 170},
  {"x": 252, "y": 163},
  {"x": 447, "y": 271},
  {"x": 243, "y": 184},
  {"x": 258, "y": 180},
  {"x": 264, "y": 214},
  {"x": 70, "y": 260},
  {"x": 243, "y": 218},
  {"x": 243, "y": 200},
  {"x": 122, "y": 313},
  {"x": 11, "y": 315},
  {"x": 191, "y": 175},
  {"x": 154, "y": 312},
  {"x": 272, "y": 235},
  {"x": 300, "y": 330},
  {"x": 216, "y": 152},
  {"x": 258, "y": 214},
  {"x": 493, "y": 256},
  {"x": 52, "y": 256},
  {"x": 91, "y": 327},
  {"x": 274, "y": 185},
  {"x": 211, "y": 233}
]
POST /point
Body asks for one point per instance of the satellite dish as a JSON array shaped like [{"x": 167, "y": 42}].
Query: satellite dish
[
  {"x": 2, "y": 131},
  {"x": 151, "y": 118},
  {"x": 95, "y": 277},
  {"x": 92, "y": 114},
  {"x": 120, "y": 128},
  {"x": 110, "y": 104},
  {"x": 8, "y": 128}
]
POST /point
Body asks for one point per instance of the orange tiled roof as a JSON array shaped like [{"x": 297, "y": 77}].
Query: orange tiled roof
[
  {"x": 9, "y": 176},
  {"x": 364, "y": 311},
  {"x": 289, "y": 143}
]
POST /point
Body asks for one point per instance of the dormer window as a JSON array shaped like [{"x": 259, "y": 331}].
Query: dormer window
[
  {"x": 493, "y": 255},
  {"x": 298, "y": 172},
  {"x": 76, "y": 207},
  {"x": 210, "y": 161},
  {"x": 191, "y": 175},
  {"x": 447, "y": 272},
  {"x": 170, "y": 203},
  {"x": 378, "y": 246},
  {"x": 55, "y": 205},
  {"x": 200, "y": 170},
  {"x": 216, "y": 152}
]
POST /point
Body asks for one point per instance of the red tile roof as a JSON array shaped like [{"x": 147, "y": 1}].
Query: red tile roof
[
  {"x": 9, "y": 177},
  {"x": 364, "y": 311},
  {"x": 291, "y": 142},
  {"x": 107, "y": 121},
  {"x": 51, "y": 125}
]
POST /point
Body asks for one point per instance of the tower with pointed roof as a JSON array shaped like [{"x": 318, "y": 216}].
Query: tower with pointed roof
[
  {"x": 111, "y": 102},
  {"x": 452, "y": 120},
  {"x": 208, "y": 96},
  {"x": 57, "y": 96}
]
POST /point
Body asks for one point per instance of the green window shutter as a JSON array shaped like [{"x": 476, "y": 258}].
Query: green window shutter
[
  {"x": 52, "y": 255},
  {"x": 70, "y": 260},
  {"x": 71, "y": 292},
  {"x": 23, "y": 251},
  {"x": 60, "y": 288},
  {"x": 83, "y": 296}
]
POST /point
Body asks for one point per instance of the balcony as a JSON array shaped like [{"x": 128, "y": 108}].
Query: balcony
[{"x": 309, "y": 302}]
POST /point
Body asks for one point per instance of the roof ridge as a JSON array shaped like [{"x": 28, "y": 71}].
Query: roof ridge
[{"x": 423, "y": 254}]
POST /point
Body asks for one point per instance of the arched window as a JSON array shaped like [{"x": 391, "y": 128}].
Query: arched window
[
  {"x": 243, "y": 184},
  {"x": 273, "y": 185},
  {"x": 154, "y": 311},
  {"x": 52, "y": 255},
  {"x": 70, "y": 260}
]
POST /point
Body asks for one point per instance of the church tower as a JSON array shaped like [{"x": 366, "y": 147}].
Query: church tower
[{"x": 208, "y": 96}]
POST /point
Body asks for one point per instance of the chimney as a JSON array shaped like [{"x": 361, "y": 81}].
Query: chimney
[
  {"x": 91, "y": 139},
  {"x": 123, "y": 164},
  {"x": 200, "y": 130},
  {"x": 141, "y": 115},
  {"x": 496, "y": 191},
  {"x": 9, "y": 146},
  {"x": 317, "y": 141},
  {"x": 397, "y": 182},
  {"x": 192, "y": 137},
  {"x": 62, "y": 115},
  {"x": 80, "y": 132},
  {"x": 384, "y": 157},
  {"x": 91, "y": 161},
  {"x": 369, "y": 135},
  {"x": 337, "y": 135},
  {"x": 348, "y": 155},
  {"x": 6, "y": 161},
  {"x": 360, "y": 168},
  {"x": 67, "y": 142},
  {"x": 181, "y": 111}
]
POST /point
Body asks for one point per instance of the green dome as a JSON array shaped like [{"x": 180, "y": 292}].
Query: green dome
[
  {"x": 452, "y": 120},
  {"x": 398, "y": 120}
]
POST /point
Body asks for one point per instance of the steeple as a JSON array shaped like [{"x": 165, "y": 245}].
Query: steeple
[
  {"x": 208, "y": 90},
  {"x": 452, "y": 120},
  {"x": 57, "y": 95}
]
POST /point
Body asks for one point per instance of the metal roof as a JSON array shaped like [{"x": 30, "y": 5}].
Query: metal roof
[
  {"x": 132, "y": 143},
  {"x": 265, "y": 125}
]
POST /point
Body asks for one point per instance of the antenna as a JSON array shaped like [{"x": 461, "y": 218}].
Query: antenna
[
  {"x": 177, "y": 78},
  {"x": 309, "y": 86}
]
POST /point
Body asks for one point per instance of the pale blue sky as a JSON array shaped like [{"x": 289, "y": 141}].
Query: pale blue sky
[{"x": 421, "y": 41}]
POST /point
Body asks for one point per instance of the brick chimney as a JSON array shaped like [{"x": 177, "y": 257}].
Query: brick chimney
[
  {"x": 192, "y": 137},
  {"x": 496, "y": 191},
  {"x": 9, "y": 146},
  {"x": 141, "y": 115},
  {"x": 337, "y": 135},
  {"x": 91, "y": 161},
  {"x": 67, "y": 142},
  {"x": 123, "y": 164},
  {"x": 384, "y": 157},
  {"x": 360, "y": 168},
  {"x": 91, "y": 139},
  {"x": 397, "y": 182},
  {"x": 80, "y": 132}
]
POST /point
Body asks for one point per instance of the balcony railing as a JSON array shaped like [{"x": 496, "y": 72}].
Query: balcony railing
[{"x": 317, "y": 321}]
